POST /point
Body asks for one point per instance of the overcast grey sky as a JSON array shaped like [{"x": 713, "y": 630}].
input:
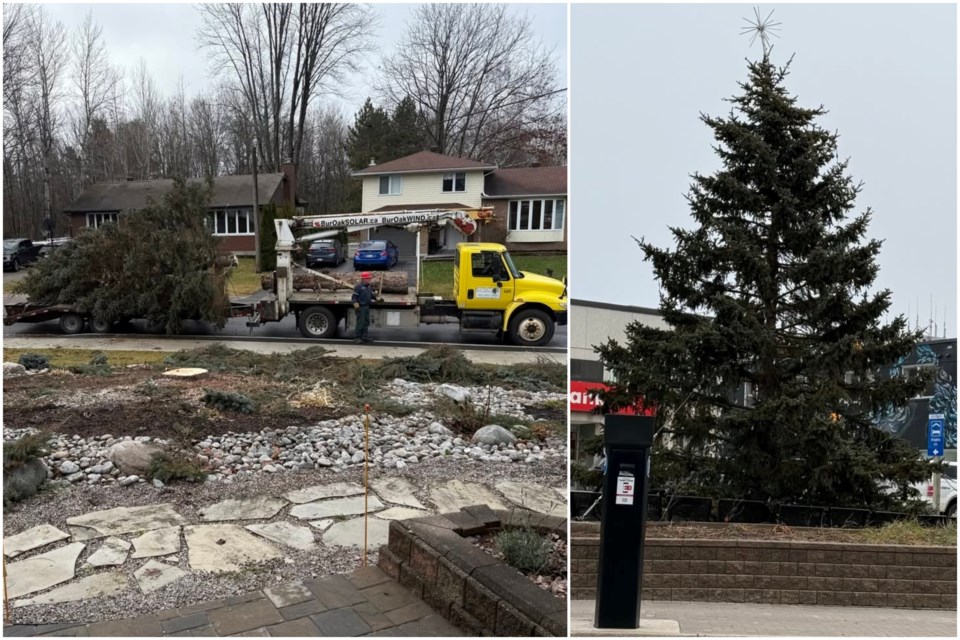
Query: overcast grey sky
[
  {"x": 641, "y": 74},
  {"x": 164, "y": 35}
]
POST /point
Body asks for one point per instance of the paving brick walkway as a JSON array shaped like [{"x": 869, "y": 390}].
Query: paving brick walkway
[{"x": 366, "y": 603}]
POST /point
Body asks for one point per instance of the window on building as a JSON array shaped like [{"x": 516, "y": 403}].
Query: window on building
[
  {"x": 231, "y": 222},
  {"x": 454, "y": 182},
  {"x": 536, "y": 215},
  {"x": 96, "y": 220},
  {"x": 390, "y": 185}
]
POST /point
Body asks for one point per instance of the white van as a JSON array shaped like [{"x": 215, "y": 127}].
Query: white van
[{"x": 948, "y": 491}]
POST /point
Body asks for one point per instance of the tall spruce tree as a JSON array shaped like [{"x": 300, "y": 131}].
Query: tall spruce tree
[{"x": 766, "y": 383}]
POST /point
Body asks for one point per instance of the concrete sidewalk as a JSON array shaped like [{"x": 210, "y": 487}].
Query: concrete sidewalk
[
  {"x": 367, "y": 603},
  {"x": 733, "y": 619}
]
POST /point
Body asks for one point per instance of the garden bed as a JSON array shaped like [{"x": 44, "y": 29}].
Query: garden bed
[
  {"x": 474, "y": 590},
  {"x": 550, "y": 575}
]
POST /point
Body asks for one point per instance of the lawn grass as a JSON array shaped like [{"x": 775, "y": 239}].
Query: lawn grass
[
  {"x": 75, "y": 357},
  {"x": 244, "y": 279},
  {"x": 437, "y": 275}
]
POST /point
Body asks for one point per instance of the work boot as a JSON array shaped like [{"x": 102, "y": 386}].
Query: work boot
[
  {"x": 368, "y": 339},
  {"x": 358, "y": 340}
]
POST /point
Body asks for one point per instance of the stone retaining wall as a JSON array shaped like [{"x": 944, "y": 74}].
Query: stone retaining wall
[
  {"x": 473, "y": 590},
  {"x": 778, "y": 572}
]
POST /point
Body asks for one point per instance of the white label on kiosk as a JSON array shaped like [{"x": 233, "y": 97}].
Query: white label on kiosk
[{"x": 625, "y": 488}]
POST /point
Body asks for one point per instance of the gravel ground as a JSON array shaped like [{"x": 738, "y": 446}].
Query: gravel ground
[{"x": 56, "y": 505}]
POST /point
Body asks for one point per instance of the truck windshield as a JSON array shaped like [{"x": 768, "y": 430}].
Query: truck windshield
[{"x": 513, "y": 270}]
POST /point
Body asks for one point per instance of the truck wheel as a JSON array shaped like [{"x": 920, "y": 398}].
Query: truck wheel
[
  {"x": 71, "y": 323},
  {"x": 531, "y": 328},
  {"x": 99, "y": 326},
  {"x": 317, "y": 322},
  {"x": 951, "y": 509},
  {"x": 15, "y": 265}
]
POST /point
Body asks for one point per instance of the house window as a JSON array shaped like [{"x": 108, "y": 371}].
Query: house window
[
  {"x": 536, "y": 215},
  {"x": 390, "y": 185},
  {"x": 231, "y": 222},
  {"x": 454, "y": 182},
  {"x": 97, "y": 220}
]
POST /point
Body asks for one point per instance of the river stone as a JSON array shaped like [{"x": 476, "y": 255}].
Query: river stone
[
  {"x": 160, "y": 542},
  {"x": 350, "y": 533},
  {"x": 397, "y": 491},
  {"x": 13, "y": 369},
  {"x": 156, "y": 575},
  {"x": 255, "y": 508},
  {"x": 493, "y": 434},
  {"x": 132, "y": 457},
  {"x": 96, "y": 586},
  {"x": 112, "y": 552},
  {"x": 32, "y": 539},
  {"x": 535, "y": 497},
  {"x": 42, "y": 571},
  {"x": 333, "y": 508},
  {"x": 452, "y": 391},
  {"x": 321, "y": 491},
  {"x": 220, "y": 548},
  {"x": 454, "y": 495},
  {"x": 286, "y": 533},
  {"x": 401, "y": 513},
  {"x": 112, "y": 522}
]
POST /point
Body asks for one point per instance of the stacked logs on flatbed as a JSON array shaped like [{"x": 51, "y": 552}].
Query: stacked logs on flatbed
[{"x": 393, "y": 281}]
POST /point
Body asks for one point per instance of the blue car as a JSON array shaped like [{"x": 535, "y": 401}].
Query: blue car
[{"x": 380, "y": 254}]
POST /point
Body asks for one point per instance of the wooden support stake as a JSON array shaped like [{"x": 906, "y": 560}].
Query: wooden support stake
[{"x": 366, "y": 475}]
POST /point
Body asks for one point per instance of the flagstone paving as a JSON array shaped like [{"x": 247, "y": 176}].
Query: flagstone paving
[
  {"x": 220, "y": 548},
  {"x": 32, "y": 539},
  {"x": 321, "y": 491},
  {"x": 286, "y": 533},
  {"x": 323, "y": 515},
  {"x": 161, "y": 542},
  {"x": 111, "y": 553},
  {"x": 397, "y": 491},
  {"x": 534, "y": 497},
  {"x": 112, "y": 522},
  {"x": 254, "y": 508},
  {"x": 95, "y": 586},
  {"x": 42, "y": 571},
  {"x": 454, "y": 495},
  {"x": 350, "y": 533},
  {"x": 335, "y": 508}
]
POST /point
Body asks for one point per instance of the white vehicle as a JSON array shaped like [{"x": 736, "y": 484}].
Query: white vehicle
[{"x": 948, "y": 491}]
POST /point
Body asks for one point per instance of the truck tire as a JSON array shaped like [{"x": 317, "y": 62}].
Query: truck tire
[
  {"x": 951, "y": 509},
  {"x": 15, "y": 265},
  {"x": 531, "y": 328},
  {"x": 97, "y": 326},
  {"x": 317, "y": 322},
  {"x": 71, "y": 323}
]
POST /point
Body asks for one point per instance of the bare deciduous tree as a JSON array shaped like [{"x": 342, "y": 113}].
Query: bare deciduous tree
[{"x": 476, "y": 73}]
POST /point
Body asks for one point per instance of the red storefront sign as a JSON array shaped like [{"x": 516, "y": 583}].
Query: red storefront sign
[{"x": 581, "y": 399}]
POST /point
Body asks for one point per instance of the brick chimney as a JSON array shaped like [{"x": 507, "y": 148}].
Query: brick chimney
[{"x": 289, "y": 184}]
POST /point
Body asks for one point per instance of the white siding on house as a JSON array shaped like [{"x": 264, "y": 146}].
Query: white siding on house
[{"x": 422, "y": 189}]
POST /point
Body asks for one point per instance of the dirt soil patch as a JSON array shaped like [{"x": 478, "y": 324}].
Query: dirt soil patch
[
  {"x": 551, "y": 577},
  {"x": 142, "y": 402}
]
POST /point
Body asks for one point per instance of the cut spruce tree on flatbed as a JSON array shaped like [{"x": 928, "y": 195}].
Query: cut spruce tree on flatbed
[{"x": 393, "y": 281}]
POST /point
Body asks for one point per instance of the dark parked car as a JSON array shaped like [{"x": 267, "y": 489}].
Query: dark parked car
[
  {"x": 326, "y": 252},
  {"x": 19, "y": 252},
  {"x": 376, "y": 253}
]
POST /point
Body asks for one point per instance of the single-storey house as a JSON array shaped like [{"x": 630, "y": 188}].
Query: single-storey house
[
  {"x": 529, "y": 204},
  {"x": 231, "y": 219}
]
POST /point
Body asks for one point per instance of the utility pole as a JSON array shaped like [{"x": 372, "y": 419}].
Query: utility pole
[{"x": 256, "y": 212}]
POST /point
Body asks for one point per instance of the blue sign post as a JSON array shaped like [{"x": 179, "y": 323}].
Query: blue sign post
[{"x": 935, "y": 423}]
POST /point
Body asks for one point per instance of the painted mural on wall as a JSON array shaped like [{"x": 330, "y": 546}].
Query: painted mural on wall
[{"x": 910, "y": 422}]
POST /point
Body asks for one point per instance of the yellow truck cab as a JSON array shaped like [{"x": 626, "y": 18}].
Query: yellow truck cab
[{"x": 492, "y": 294}]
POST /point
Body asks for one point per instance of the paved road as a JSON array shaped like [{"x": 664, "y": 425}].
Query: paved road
[{"x": 732, "y": 619}]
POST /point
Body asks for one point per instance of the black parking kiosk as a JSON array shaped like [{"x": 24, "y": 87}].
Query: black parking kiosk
[{"x": 627, "y": 441}]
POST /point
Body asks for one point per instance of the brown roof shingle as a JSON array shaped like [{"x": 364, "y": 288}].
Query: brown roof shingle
[
  {"x": 526, "y": 181},
  {"x": 228, "y": 191},
  {"x": 423, "y": 162}
]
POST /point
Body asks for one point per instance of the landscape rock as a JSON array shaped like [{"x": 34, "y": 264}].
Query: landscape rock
[
  {"x": 42, "y": 571},
  {"x": 112, "y": 552},
  {"x": 133, "y": 457},
  {"x": 120, "y": 520},
  {"x": 493, "y": 434},
  {"x": 160, "y": 542},
  {"x": 286, "y": 533},
  {"x": 68, "y": 468},
  {"x": 334, "y": 508},
  {"x": 454, "y": 392},
  {"x": 253, "y": 508},
  {"x": 156, "y": 575},
  {"x": 13, "y": 369},
  {"x": 319, "y": 492},
  {"x": 454, "y": 495},
  {"x": 31, "y": 539},
  {"x": 96, "y": 586},
  {"x": 396, "y": 490},
  {"x": 350, "y": 533},
  {"x": 221, "y": 548}
]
